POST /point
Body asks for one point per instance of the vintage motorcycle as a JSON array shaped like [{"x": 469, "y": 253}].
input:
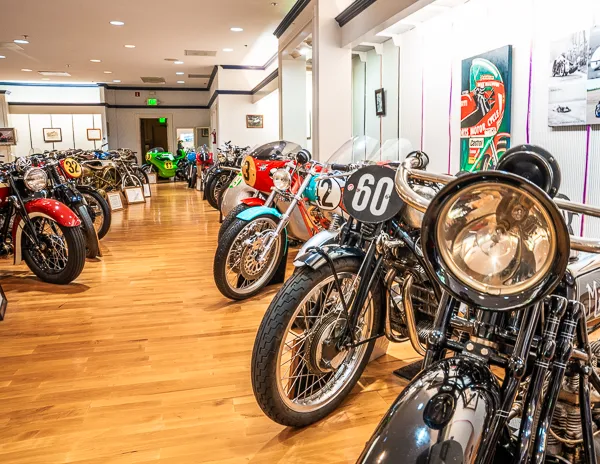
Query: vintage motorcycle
[
  {"x": 204, "y": 160},
  {"x": 43, "y": 232},
  {"x": 253, "y": 185},
  {"x": 519, "y": 296},
  {"x": 165, "y": 164},
  {"x": 225, "y": 167}
]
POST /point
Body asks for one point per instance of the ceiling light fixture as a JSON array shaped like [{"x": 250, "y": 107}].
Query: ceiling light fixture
[
  {"x": 96, "y": 61},
  {"x": 177, "y": 62},
  {"x": 129, "y": 46},
  {"x": 27, "y": 70},
  {"x": 117, "y": 23},
  {"x": 107, "y": 72},
  {"x": 180, "y": 73},
  {"x": 21, "y": 41},
  {"x": 228, "y": 49},
  {"x": 2, "y": 57},
  {"x": 116, "y": 81},
  {"x": 181, "y": 82},
  {"x": 236, "y": 29}
]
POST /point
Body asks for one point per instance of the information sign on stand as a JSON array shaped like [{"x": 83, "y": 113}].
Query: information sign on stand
[
  {"x": 147, "y": 190},
  {"x": 115, "y": 200},
  {"x": 134, "y": 195},
  {"x": 152, "y": 177}
]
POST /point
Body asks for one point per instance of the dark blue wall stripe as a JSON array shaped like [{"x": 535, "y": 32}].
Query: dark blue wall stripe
[{"x": 290, "y": 17}]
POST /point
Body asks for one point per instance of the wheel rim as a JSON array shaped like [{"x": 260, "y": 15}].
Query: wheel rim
[
  {"x": 300, "y": 387},
  {"x": 243, "y": 274},
  {"x": 54, "y": 255},
  {"x": 219, "y": 186},
  {"x": 95, "y": 210}
]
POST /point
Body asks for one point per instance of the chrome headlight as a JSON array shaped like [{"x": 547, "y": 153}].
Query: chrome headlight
[
  {"x": 495, "y": 240},
  {"x": 231, "y": 157},
  {"x": 282, "y": 179},
  {"x": 35, "y": 179}
]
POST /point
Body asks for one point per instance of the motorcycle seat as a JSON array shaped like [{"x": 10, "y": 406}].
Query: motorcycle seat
[{"x": 96, "y": 167}]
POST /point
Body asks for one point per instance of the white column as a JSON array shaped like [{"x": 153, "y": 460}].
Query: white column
[
  {"x": 332, "y": 71},
  {"x": 293, "y": 100},
  {"x": 5, "y": 151}
]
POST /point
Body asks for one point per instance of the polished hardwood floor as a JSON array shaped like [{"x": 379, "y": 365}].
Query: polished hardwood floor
[{"x": 143, "y": 360}]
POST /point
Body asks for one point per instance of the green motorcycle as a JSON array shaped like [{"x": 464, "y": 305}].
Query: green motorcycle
[{"x": 164, "y": 163}]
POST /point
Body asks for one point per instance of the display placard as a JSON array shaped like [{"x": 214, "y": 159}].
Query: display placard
[
  {"x": 152, "y": 177},
  {"x": 147, "y": 190},
  {"x": 115, "y": 200},
  {"x": 134, "y": 195}
]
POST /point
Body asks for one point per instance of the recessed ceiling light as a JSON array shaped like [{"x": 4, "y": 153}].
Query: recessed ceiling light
[
  {"x": 177, "y": 62},
  {"x": 236, "y": 29},
  {"x": 180, "y": 73},
  {"x": 117, "y": 23},
  {"x": 228, "y": 49},
  {"x": 181, "y": 82},
  {"x": 129, "y": 46},
  {"x": 116, "y": 81},
  {"x": 107, "y": 72},
  {"x": 2, "y": 57},
  {"x": 96, "y": 61},
  {"x": 21, "y": 41},
  {"x": 26, "y": 70}
]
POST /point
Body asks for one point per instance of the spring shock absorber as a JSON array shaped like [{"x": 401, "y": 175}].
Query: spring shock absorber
[{"x": 336, "y": 222}]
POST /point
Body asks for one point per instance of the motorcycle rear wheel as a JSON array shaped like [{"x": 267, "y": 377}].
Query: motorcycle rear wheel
[
  {"x": 92, "y": 247},
  {"x": 308, "y": 394},
  {"x": 213, "y": 189},
  {"x": 101, "y": 214},
  {"x": 233, "y": 258},
  {"x": 64, "y": 258}
]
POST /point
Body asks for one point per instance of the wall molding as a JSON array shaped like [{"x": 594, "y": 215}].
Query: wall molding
[
  {"x": 353, "y": 10},
  {"x": 213, "y": 74},
  {"x": 168, "y": 89},
  {"x": 36, "y": 84},
  {"x": 266, "y": 81},
  {"x": 108, "y": 105},
  {"x": 251, "y": 68},
  {"x": 290, "y": 17}
]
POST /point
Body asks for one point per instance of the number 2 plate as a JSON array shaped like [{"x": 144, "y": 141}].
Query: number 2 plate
[{"x": 370, "y": 195}]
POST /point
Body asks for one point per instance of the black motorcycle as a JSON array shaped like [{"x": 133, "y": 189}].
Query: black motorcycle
[
  {"x": 226, "y": 165},
  {"x": 509, "y": 373}
]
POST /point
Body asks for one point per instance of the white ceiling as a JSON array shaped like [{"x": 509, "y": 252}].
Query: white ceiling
[{"x": 72, "y": 32}]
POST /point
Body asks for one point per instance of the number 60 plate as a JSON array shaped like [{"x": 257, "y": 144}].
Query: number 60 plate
[{"x": 370, "y": 195}]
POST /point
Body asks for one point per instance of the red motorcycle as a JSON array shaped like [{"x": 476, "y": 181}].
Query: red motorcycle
[
  {"x": 43, "y": 232},
  {"x": 204, "y": 160}
]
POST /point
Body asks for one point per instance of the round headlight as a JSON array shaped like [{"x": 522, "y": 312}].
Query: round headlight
[
  {"x": 281, "y": 179},
  {"x": 495, "y": 240},
  {"x": 221, "y": 157},
  {"x": 231, "y": 157},
  {"x": 35, "y": 179}
]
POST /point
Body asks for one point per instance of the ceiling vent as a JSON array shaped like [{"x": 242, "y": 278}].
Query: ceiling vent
[
  {"x": 54, "y": 73},
  {"x": 200, "y": 53},
  {"x": 153, "y": 80},
  {"x": 199, "y": 76}
]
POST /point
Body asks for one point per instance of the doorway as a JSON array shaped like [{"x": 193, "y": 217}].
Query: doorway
[{"x": 153, "y": 134}]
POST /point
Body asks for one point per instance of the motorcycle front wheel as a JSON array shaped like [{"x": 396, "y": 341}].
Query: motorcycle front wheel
[
  {"x": 299, "y": 375},
  {"x": 61, "y": 257},
  {"x": 230, "y": 218},
  {"x": 237, "y": 272}
]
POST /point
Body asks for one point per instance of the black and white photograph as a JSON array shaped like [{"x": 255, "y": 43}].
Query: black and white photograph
[
  {"x": 380, "y": 102},
  {"x": 593, "y": 83},
  {"x": 568, "y": 69},
  {"x": 8, "y": 136}
]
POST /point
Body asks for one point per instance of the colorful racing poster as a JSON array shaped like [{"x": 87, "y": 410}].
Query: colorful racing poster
[{"x": 485, "y": 109}]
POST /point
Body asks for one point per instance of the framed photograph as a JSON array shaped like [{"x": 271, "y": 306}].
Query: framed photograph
[
  {"x": 134, "y": 195},
  {"x": 94, "y": 134},
  {"x": 204, "y": 132},
  {"x": 8, "y": 136},
  {"x": 254, "y": 121},
  {"x": 152, "y": 177},
  {"x": 52, "y": 135},
  {"x": 147, "y": 190},
  {"x": 115, "y": 200},
  {"x": 380, "y": 102}
]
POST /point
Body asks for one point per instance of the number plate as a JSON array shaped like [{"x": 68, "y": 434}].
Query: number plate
[
  {"x": 370, "y": 195},
  {"x": 168, "y": 165},
  {"x": 71, "y": 167},
  {"x": 329, "y": 194},
  {"x": 237, "y": 180}
]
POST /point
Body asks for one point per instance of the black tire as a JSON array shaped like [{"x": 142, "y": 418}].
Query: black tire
[
  {"x": 271, "y": 334},
  {"x": 214, "y": 189},
  {"x": 193, "y": 178},
  {"x": 75, "y": 256},
  {"x": 99, "y": 208},
  {"x": 220, "y": 262},
  {"x": 92, "y": 247},
  {"x": 231, "y": 217},
  {"x": 142, "y": 175}
]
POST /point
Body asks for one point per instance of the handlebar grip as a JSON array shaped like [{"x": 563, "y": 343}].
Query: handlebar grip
[
  {"x": 340, "y": 167},
  {"x": 421, "y": 156}
]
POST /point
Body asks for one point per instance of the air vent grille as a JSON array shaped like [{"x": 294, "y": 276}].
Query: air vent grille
[
  {"x": 153, "y": 80},
  {"x": 200, "y": 53}
]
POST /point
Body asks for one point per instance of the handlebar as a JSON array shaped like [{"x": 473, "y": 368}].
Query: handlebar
[
  {"x": 408, "y": 170},
  {"x": 341, "y": 167}
]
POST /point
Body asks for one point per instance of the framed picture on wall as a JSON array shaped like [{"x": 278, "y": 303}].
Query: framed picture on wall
[
  {"x": 94, "y": 134},
  {"x": 254, "y": 121},
  {"x": 52, "y": 135},
  {"x": 204, "y": 132},
  {"x": 380, "y": 102},
  {"x": 8, "y": 136}
]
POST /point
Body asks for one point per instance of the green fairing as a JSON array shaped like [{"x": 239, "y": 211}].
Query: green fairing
[{"x": 165, "y": 162}]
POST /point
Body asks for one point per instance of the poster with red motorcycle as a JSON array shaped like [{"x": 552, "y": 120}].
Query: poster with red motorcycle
[{"x": 485, "y": 109}]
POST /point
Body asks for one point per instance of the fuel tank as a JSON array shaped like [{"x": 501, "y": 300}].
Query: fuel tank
[{"x": 440, "y": 417}]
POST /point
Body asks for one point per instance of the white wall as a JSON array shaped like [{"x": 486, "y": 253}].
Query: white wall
[
  {"x": 232, "y": 111},
  {"x": 52, "y": 94}
]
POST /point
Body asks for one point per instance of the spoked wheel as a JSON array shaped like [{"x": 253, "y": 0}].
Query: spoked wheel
[
  {"x": 141, "y": 175},
  {"x": 129, "y": 180},
  {"x": 215, "y": 188},
  {"x": 61, "y": 255},
  {"x": 89, "y": 231},
  {"x": 238, "y": 271},
  {"x": 301, "y": 366},
  {"x": 231, "y": 217},
  {"x": 99, "y": 211}
]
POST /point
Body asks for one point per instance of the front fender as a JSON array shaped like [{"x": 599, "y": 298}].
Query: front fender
[
  {"x": 315, "y": 260},
  {"x": 252, "y": 213},
  {"x": 441, "y": 416},
  {"x": 325, "y": 237}
]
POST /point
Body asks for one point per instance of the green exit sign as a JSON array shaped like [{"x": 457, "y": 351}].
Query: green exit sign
[
  {"x": 162, "y": 120},
  {"x": 153, "y": 102}
]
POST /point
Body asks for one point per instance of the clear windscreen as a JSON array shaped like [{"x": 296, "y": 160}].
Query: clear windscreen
[
  {"x": 157, "y": 150},
  {"x": 392, "y": 150},
  {"x": 355, "y": 150},
  {"x": 280, "y": 148}
]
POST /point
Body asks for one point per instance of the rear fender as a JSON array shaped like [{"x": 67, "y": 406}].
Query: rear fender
[
  {"x": 315, "y": 260},
  {"x": 42, "y": 207},
  {"x": 441, "y": 416}
]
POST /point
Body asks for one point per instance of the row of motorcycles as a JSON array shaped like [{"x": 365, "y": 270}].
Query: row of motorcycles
[
  {"x": 49, "y": 218},
  {"x": 480, "y": 272}
]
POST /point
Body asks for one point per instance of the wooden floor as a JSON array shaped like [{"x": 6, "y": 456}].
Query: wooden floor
[{"x": 142, "y": 359}]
